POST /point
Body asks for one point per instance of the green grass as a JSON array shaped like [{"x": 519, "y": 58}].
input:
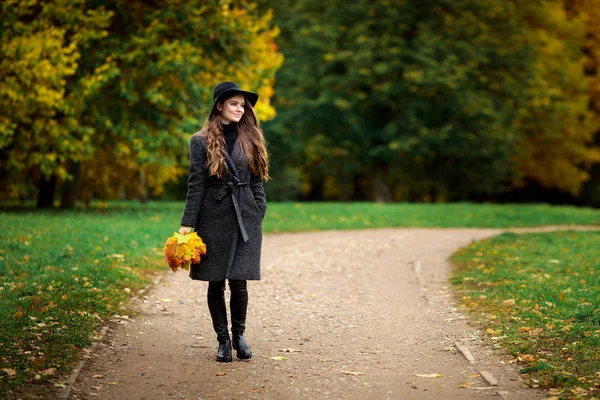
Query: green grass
[
  {"x": 286, "y": 217},
  {"x": 539, "y": 294},
  {"x": 59, "y": 276}
]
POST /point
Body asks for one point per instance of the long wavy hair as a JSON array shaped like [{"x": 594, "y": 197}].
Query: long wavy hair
[{"x": 251, "y": 139}]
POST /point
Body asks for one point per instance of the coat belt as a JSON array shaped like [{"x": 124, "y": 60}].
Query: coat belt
[{"x": 228, "y": 187}]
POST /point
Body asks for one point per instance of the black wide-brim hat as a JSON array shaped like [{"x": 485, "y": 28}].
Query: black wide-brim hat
[{"x": 227, "y": 89}]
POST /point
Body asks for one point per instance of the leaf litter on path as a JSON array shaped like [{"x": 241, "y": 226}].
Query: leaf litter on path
[
  {"x": 289, "y": 351},
  {"x": 429, "y": 375}
]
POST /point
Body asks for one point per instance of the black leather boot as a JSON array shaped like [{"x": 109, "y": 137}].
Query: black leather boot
[
  {"x": 239, "y": 304},
  {"x": 218, "y": 312}
]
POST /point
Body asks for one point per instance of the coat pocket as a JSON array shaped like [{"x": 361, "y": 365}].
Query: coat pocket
[{"x": 253, "y": 201}]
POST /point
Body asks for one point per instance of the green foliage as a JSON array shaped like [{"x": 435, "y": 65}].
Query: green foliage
[
  {"x": 431, "y": 100},
  {"x": 541, "y": 291},
  {"x": 109, "y": 92}
]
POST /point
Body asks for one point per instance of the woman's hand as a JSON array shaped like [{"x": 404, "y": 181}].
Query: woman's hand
[{"x": 184, "y": 230}]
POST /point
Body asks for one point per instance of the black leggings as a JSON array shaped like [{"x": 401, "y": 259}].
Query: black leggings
[{"x": 237, "y": 287}]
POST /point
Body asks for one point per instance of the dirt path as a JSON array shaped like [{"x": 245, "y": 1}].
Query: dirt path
[{"x": 352, "y": 314}]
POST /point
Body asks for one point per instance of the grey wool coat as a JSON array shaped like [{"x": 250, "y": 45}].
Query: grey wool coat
[{"x": 210, "y": 209}]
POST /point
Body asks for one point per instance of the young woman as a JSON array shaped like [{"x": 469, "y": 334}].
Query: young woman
[{"x": 226, "y": 204}]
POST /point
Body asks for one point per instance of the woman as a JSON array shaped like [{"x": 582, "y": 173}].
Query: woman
[{"x": 226, "y": 203}]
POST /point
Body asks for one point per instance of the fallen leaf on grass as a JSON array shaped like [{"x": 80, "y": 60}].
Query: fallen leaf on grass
[
  {"x": 49, "y": 371},
  {"x": 536, "y": 331},
  {"x": 492, "y": 332},
  {"x": 509, "y": 303},
  {"x": 9, "y": 371},
  {"x": 580, "y": 391},
  {"x": 221, "y": 374},
  {"x": 278, "y": 358},
  {"x": 524, "y": 329},
  {"x": 60, "y": 385},
  {"x": 429, "y": 375},
  {"x": 351, "y": 373},
  {"x": 526, "y": 358}
]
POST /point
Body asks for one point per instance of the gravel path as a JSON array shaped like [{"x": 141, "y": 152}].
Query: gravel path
[{"x": 338, "y": 314}]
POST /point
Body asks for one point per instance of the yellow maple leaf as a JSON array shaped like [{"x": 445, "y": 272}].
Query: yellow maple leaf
[{"x": 183, "y": 238}]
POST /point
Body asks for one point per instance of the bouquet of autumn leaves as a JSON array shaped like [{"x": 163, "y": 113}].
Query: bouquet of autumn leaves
[{"x": 182, "y": 250}]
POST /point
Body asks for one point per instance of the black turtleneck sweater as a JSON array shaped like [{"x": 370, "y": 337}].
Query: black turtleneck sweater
[{"x": 230, "y": 133}]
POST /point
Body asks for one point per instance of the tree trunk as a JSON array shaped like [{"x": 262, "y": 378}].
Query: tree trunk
[
  {"x": 144, "y": 189},
  {"x": 316, "y": 190},
  {"x": 69, "y": 196},
  {"x": 122, "y": 193},
  {"x": 47, "y": 187},
  {"x": 362, "y": 188},
  {"x": 382, "y": 192}
]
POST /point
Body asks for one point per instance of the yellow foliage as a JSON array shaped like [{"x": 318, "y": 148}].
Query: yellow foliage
[{"x": 558, "y": 127}]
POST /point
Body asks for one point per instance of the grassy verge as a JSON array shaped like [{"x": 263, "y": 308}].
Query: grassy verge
[
  {"x": 286, "y": 217},
  {"x": 539, "y": 296},
  {"x": 61, "y": 273}
]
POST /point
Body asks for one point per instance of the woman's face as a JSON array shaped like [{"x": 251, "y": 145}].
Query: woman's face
[{"x": 232, "y": 109}]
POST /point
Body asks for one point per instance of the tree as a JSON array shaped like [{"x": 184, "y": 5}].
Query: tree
[
  {"x": 555, "y": 121},
  {"x": 589, "y": 12},
  {"x": 40, "y": 128},
  {"x": 431, "y": 100},
  {"x": 413, "y": 88},
  {"x": 139, "y": 88}
]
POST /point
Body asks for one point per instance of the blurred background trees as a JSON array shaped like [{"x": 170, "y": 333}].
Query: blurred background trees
[
  {"x": 430, "y": 100},
  {"x": 436, "y": 100},
  {"x": 99, "y": 98}
]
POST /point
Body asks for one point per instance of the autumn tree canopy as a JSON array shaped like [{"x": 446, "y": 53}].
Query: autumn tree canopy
[
  {"x": 430, "y": 100},
  {"x": 99, "y": 98}
]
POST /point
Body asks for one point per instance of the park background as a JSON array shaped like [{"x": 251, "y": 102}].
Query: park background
[
  {"x": 420, "y": 101},
  {"x": 429, "y": 113}
]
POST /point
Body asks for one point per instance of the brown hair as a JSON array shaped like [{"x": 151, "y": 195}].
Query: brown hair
[{"x": 251, "y": 139}]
